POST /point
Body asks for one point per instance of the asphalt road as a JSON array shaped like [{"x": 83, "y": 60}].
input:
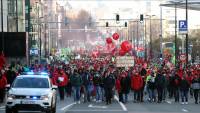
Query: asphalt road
[{"x": 169, "y": 106}]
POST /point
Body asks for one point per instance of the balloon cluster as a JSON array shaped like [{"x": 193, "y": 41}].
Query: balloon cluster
[{"x": 124, "y": 47}]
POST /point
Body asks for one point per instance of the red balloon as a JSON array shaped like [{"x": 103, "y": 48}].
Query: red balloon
[
  {"x": 109, "y": 40},
  {"x": 122, "y": 52},
  {"x": 115, "y": 36},
  {"x": 126, "y": 46}
]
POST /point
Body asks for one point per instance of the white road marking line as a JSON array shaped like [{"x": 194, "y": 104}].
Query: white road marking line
[
  {"x": 169, "y": 102},
  {"x": 121, "y": 104},
  {"x": 68, "y": 106},
  {"x": 184, "y": 110},
  {"x": 93, "y": 110},
  {"x": 2, "y": 107},
  {"x": 92, "y": 106}
]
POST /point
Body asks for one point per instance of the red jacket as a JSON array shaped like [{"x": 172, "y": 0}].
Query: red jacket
[
  {"x": 136, "y": 82},
  {"x": 3, "y": 82},
  {"x": 117, "y": 85},
  {"x": 61, "y": 80}
]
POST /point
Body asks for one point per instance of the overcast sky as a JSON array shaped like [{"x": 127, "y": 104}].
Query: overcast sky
[{"x": 128, "y": 9}]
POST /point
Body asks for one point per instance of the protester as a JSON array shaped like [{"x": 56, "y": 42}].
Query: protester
[
  {"x": 125, "y": 83},
  {"x": 76, "y": 81},
  {"x": 196, "y": 87},
  {"x": 151, "y": 86},
  {"x": 61, "y": 81},
  {"x": 184, "y": 88},
  {"x": 3, "y": 83},
  {"x": 109, "y": 83},
  {"x": 160, "y": 85},
  {"x": 136, "y": 85}
]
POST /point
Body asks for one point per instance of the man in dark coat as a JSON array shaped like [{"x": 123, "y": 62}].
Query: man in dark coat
[
  {"x": 109, "y": 83},
  {"x": 160, "y": 84},
  {"x": 125, "y": 86}
]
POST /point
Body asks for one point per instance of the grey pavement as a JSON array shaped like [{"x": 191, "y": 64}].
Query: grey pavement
[{"x": 169, "y": 106}]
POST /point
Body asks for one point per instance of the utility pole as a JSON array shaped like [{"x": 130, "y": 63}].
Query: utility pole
[
  {"x": 161, "y": 38},
  {"x": 175, "y": 33},
  {"x": 145, "y": 41},
  {"x": 151, "y": 52},
  {"x": 186, "y": 40},
  {"x": 2, "y": 26},
  {"x": 16, "y": 16}
]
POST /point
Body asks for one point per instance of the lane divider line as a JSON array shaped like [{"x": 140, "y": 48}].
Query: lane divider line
[
  {"x": 68, "y": 106},
  {"x": 121, "y": 104}
]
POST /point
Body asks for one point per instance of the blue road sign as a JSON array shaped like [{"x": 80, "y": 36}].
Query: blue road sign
[{"x": 183, "y": 26}]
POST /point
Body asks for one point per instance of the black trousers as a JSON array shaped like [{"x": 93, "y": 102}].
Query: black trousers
[
  {"x": 137, "y": 95},
  {"x": 196, "y": 95},
  {"x": 160, "y": 94},
  {"x": 121, "y": 97},
  {"x": 108, "y": 93},
  {"x": 61, "y": 90},
  {"x": 2, "y": 95},
  {"x": 176, "y": 94}
]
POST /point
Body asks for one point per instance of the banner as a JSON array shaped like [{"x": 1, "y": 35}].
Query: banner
[{"x": 125, "y": 61}]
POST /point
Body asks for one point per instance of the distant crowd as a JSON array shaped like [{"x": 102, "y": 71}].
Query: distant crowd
[{"x": 99, "y": 80}]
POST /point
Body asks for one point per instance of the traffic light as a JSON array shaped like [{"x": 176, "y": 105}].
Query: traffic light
[
  {"x": 107, "y": 24},
  {"x": 141, "y": 17},
  {"x": 125, "y": 24},
  {"x": 117, "y": 17}
]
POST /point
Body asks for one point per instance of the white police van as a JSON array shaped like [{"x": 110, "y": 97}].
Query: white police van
[{"x": 31, "y": 92}]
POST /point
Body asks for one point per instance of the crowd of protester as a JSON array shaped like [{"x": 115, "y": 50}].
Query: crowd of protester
[{"x": 99, "y": 80}]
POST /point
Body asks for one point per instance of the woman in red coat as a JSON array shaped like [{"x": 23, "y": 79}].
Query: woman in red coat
[
  {"x": 136, "y": 85},
  {"x": 61, "y": 80}
]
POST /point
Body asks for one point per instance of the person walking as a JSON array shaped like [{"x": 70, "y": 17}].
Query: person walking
[
  {"x": 97, "y": 82},
  {"x": 136, "y": 86},
  {"x": 3, "y": 83},
  {"x": 76, "y": 82},
  {"x": 109, "y": 83},
  {"x": 61, "y": 80},
  {"x": 196, "y": 86},
  {"x": 151, "y": 86},
  {"x": 125, "y": 86},
  {"x": 184, "y": 88},
  {"x": 160, "y": 84},
  {"x": 176, "y": 85}
]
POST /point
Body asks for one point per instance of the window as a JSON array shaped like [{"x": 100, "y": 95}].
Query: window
[{"x": 30, "y": 82}]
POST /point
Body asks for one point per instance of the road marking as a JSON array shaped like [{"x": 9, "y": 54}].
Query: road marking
[
  {"x": 92, "y": 106},
  {"x": 2, "y": 107},
  {"x": 93, "y": 110},
  {"x": 68, "y": 106},
  {"x": 184, "y": 110},
  {"x": 169, "y": 102},
  {"x": 121, "y": 104}
]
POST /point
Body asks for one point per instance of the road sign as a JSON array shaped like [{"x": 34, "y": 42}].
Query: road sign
[
  {"x": 183, "y": 58},
  {"x": 34, "y": 51},
  {"x": 183, "y": 27}
]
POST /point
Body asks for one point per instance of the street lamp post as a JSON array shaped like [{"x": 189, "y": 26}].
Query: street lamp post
[
  {"x": 175, "y": 41},
  {"x": 150, "y": 35}
]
